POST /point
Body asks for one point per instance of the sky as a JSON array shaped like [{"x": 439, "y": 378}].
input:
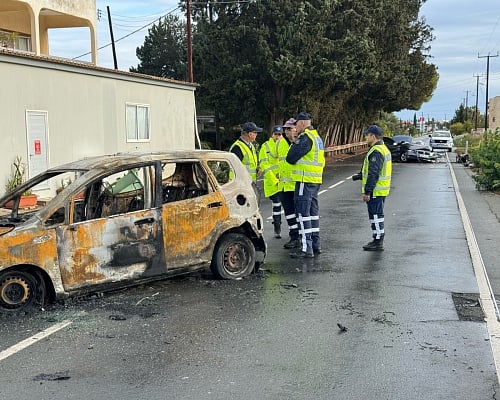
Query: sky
[{"x": 466, "y": 31}]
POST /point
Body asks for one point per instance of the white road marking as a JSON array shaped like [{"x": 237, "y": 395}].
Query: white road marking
[
  {"x": 486, "y": 296},
  {"x": 336, "y": 184},
  {"x": 33, "y": 339}
]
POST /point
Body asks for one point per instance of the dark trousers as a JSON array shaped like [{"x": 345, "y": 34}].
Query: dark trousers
[
  {"x": 291, "y": 219},
  {"x": 307, "y": 208},
  {"x": 376, "y": 216},
  {"x": 275, "y": 198}
]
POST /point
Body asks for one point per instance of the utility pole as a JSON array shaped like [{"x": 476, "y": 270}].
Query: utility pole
[
  {"x": 189, "y": 42},
  {"x": 112, "y": 38},
  {"x": 487, "y": 79},
  {"x": 476, "y": 110},
  {"x": 466, "y": 101}
]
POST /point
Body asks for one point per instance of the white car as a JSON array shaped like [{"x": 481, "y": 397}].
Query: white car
[{"x": 441, "y": 140}]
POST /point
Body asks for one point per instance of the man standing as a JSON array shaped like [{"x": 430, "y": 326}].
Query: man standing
[
  {"x": 307, "y": 155},
  {"x": 286, "y": 185},
  {"x": 376, "y": 184},
  {"x": 244, "y": 149},
  {"x": 268, "y": 164}
]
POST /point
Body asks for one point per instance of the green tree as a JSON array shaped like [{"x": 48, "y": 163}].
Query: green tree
[
  {"x": 486, "y": 161},
  {"x": 164, "y": 52},
  {"x": 344, "y": 61}
]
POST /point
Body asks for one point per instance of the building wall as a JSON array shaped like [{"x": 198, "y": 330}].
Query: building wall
[
  {"x": 35, "y": 17},
  {"x": 494, "y": 113},
  {"x": 86, "y": 108}
]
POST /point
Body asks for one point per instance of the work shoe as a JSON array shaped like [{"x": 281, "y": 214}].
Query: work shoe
[
  {"x": 277, "y": 231},
  {"x": 302, "y": 254},
  {"x": 375, "y": 245},
  {"x": 292, "y": 244},
  {"x": 317, "y": 251}
]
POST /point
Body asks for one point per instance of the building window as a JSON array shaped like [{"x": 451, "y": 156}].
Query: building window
[{"x": 137, "y": 123}]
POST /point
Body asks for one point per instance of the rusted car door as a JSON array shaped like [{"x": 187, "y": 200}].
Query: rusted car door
[
  {"x": 113, "y": 245},
  {"x": 194, "y": 214}
]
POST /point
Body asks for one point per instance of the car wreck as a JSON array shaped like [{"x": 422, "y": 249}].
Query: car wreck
[
  {"x": 127, "y": 218},
  {"x": 404, "y": 149}
]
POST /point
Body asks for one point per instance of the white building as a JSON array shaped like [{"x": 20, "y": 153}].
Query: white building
[{"x": 55, "y": 110}]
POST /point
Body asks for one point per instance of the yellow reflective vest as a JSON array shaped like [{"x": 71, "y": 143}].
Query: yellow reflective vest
[
  {"x": 383, "y": 185},
  {"x": 250, "y": 160},
  {"x": 286, "y": 183},
  {"x": 309, "y": 168},
  {"x": 268, "y": 163}
]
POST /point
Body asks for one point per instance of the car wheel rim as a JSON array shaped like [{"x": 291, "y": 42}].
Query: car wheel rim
[
  {"x": 14, "y": 291},
  {"x": 235, "y": 258}
]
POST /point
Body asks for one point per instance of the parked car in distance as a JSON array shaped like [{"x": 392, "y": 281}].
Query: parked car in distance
[
  {"x": 404, "y": 149},
  {"x": 127, "y": 218},
  {"x": 441, "y": 140}
]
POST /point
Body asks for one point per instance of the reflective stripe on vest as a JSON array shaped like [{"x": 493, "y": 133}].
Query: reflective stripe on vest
[
  {"x": 268, "y": 162},
  {"x": 284, "y": 169},
  {"x": 383, "y": 184},
  {"x": 310, "y": 167},
  {"x": 249, "y": 158}
]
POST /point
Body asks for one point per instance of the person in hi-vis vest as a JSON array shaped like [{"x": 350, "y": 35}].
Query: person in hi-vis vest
[
  {"x": 307, "y": 156},
  {"x": 245, "y": 150},
  {"x": 286, "y": 185},
  {"x": 268, "y": 164},
  {"x": 376, "y": 184}
]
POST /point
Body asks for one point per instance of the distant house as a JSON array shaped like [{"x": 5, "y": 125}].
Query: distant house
[
  {"x": 55, "y": 110},
  {"x": 494, "y": 113}
]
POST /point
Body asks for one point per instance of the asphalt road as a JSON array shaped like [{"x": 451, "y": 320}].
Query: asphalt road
[{"x": 276, "y": 335}]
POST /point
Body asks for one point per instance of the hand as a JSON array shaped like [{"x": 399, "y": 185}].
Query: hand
[{"x": 366, "y": 198}]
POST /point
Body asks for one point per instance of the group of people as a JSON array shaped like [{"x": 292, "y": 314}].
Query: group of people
[{"x": 292, "y": 169}]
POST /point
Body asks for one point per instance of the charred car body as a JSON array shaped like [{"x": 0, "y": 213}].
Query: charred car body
[
  {"x": 404, "y": 149},
  {"x": 126, "y": 218}
]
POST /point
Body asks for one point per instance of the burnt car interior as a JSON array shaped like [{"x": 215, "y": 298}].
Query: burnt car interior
[{"x": 181, "y": 181}]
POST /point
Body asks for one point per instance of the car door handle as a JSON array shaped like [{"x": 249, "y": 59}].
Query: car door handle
[
  {"x": 144, "y": 221},
  {"x": 216, "y": 204}
]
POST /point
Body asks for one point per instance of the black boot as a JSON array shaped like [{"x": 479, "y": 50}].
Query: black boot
[
  {"x": 277, "y": 231},
  {"x": 375, "y": 245},
  {"x": 292, "y": 244}
]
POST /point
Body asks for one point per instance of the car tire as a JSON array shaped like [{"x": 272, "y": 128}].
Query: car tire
[
  {"x": 20, "y": 290},
  {"x": 234, "y": 257},
  {"x": 404, "y": 157}
]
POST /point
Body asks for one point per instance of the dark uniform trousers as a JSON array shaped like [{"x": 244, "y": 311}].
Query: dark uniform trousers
[
  {"x": 307, "y": 208},
  {"x": 288, "y": 205}
]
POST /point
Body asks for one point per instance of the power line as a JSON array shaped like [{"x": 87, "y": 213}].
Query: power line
[{"x": 129, "y": 34}]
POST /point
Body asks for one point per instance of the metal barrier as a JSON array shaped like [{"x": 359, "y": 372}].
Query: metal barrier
[{"x": 346, "y": 148}]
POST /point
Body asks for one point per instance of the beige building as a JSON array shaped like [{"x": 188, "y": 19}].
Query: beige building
[
  {"x": 494, "y": 113},
  {"x": 55, "y": 110},
  {"x": 31, "y": 20}
]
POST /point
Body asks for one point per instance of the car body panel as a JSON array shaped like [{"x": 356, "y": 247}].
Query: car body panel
[{"x": 117, "y": 222}]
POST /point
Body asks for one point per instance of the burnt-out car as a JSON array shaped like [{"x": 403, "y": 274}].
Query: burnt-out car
[
  {"x": 127, "y": 218},
  {"x": 403, "y": 148}
]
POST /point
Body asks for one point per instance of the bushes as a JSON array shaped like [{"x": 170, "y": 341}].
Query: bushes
[{"x": 486, "y": 160}]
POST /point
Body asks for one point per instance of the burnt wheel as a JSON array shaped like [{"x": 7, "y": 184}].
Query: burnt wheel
[
  {"x": 19, "y": 289},
  {"x": 234, "y": 257}
]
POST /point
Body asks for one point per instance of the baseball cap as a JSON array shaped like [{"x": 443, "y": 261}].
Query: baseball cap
[
  {"x": 303, "y": 116},
  {"x": 290, "y": 123},
  {"x": 373, "y": 129},
  {"x": 250, "y": 127},
  {"x": 277, "y": 129}
]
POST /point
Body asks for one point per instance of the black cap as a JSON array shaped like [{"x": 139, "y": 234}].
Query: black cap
[
  {"x": 250, "y": 127},
  {"x": 303, "y": 116}
]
